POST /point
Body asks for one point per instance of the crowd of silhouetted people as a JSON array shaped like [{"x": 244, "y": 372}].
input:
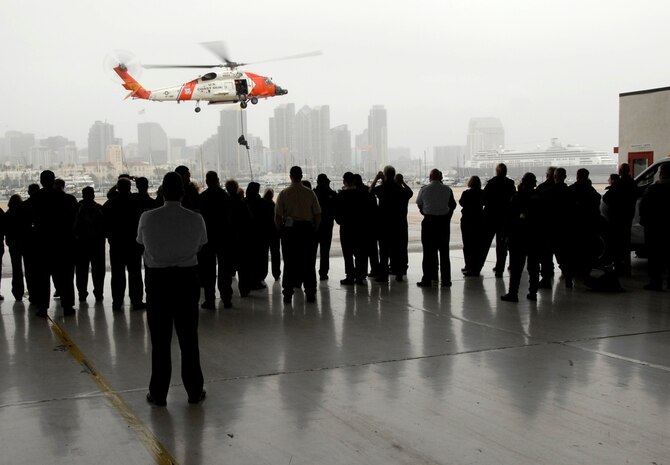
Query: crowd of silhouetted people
[{"x": 52, "y": 237}]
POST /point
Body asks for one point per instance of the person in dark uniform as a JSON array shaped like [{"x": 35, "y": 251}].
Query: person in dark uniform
[
  {"x": 369, "y": 227},
  {"x": 655, "y": 217},
  {"x": 298, "y": 215},
  {"x": 16, "y": 243},
  {"x": 142, "y": 195},
  {"x": 3, "y": 227},
  {"x": 53, "y": 215},
  {"x": 560, "y": 202},
  {"x": 436, "y": 203},
  {"x": 472, "y": 225},
  {"x": 393, "y": 200},
  {"x": 258, "y": 236},
  {"x": 216, "y": 254},
  {"x": 524, "y": 238},
  {"x": 121, "y": 215},
  {"x": 324, "y": 235},
  {"x": 89, "y": 235},
  {"x": 497, "y": 194},
  {"x": 586, "y": 224},
  {"x": 619, "y": 199},
  {"x": 26, "y": 214},
  {"x": 239, "y": 238},
  {"x": 350, "y": 212},
  {"x": 274, "y": 243},
  {"x": 171, "y": 237},
  {"x": 546, "y": 255},
  {"x": 191, "y": 194}
]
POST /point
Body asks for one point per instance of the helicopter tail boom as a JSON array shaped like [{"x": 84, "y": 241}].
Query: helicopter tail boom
[{"x": 129, "y": 83}]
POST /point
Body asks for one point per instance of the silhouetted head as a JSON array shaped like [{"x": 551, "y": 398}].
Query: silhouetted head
[
  {"x": 582, "y": 174},
  {"x": 501, "y": 169},
  {"x": 268, "y": 194},
  {"x": 212, "y": 179},
  {"x": 142, "y": 185},
  {"x": 253, "y": 189},
  {"x": 389, "y": 172},
  {"x": 59, "y": 185},
  {"x": 528, "y": 182},
  {"x": 184, "y": 172},
  {"x": 123, "y": 186},
  {"x": 614, "y": 177},
  {"x": 475, "y": 182},
  {"x": 172, "y": 187},
  {"x": 559, "y": 175},
  {"x": 624, "y": 170},
  {"x": 435, "y": 175},
  {"x": 88, "y": 193},
  {"x": 550, "y": 172},
  {"x": 232, "y": 187},
  {"x": 295, "y": 174},
  {"x": 348, "y": 178},
  {"x": 322, "y": 180},
  {"x": 33, "y": 189},
  {"x": 306, "y": 183},
  {"x": 15, "y": 201},
  {"x": 47, "y": 178},
  {"x": 358, "y": 181}
]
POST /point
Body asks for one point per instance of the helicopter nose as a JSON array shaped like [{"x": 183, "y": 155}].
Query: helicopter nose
[{"x": 280, "y": 91}]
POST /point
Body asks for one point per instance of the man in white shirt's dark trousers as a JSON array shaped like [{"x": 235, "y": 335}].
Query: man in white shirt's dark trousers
[{"x": 172, "y": 236}]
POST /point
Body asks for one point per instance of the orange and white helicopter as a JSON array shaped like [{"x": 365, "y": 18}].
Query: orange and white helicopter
[{"x": 224, "y": 83}]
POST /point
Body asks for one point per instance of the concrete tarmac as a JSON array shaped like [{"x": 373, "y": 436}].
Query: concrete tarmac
[{"x": 373, "y": 374}]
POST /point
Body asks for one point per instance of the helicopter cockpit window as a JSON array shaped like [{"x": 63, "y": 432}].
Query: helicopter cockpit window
[
  {"x": 268, "y": 81},
  {"x": 208, "y": 76}
]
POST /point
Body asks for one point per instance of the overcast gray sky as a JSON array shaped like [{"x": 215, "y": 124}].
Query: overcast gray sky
[{"x": 545, "y": 68}]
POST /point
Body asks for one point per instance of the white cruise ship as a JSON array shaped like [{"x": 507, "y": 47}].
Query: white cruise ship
[{"x": 570, "y": 157}]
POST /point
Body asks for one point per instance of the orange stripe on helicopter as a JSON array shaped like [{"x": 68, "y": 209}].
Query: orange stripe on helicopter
[
  {"x": 261, "y": 88},
  {"x": 187, "y": 89}
]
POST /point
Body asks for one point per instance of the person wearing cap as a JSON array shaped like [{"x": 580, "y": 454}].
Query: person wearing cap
[
  {"x": 436, "y": 203},
  {"x": 172, "y": 236},
  {"x": 351, "y": 209},
  {"x": 297, "y": 216},
  {"x": 324, "y": 234}
]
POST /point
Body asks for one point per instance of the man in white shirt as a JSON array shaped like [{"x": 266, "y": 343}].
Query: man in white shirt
[
  {"x": 436, "y": 203},
  {"x": 172, "y": 236}
]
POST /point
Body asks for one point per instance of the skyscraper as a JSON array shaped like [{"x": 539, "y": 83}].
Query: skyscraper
[
  {"x": 282, "y": 137},
  {"x": 100, "y": 135},
  {"x": 312, "y": 126},
  {"x": 485, "y": 134},
  {"x": 17, "y": 147},
  {"x": 232, "y": 157},
  {"x": 152, "y": 143},
  {"x": 377, "y": 139},
  {"x": 340, "y": 143}
]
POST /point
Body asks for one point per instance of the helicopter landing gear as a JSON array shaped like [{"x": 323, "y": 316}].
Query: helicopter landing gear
[
  {"x": 197, "y": 107},
  {"x": 254, "y": 100},
  {"x": 243, "y": 104}
]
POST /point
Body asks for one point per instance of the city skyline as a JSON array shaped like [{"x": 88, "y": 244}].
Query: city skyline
[{"x": 547, "y": 70}]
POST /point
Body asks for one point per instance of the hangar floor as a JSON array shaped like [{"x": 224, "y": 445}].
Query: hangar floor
[{"x": 375, "y": 374}]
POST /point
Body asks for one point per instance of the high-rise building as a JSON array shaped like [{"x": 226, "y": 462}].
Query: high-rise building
[
  {"x": 340, "y": 152},
  {"x": 100, "y": 135},
  {"x": 377, "y": 138},
  {"x": 176, "y": 147},
  {"x": 312, "y": 126},
  {"x": 282, "y": 137},
  {"x": 152, "y": 143},
  {"x": 232, "y": 157},
  {"x": 17, "y": 147},
  {"x": 485, "y": 134},
  {"x": 362, "y": 155}
]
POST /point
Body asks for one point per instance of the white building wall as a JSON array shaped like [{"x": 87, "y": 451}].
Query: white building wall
[{"x": 644, "y": 123}]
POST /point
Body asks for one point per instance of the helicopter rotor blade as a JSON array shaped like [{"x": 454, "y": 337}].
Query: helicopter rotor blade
[
  {"x": 219, "y": 50},
  {"x": 179, "y": 66},
  {"x": 290, "y": 57}
]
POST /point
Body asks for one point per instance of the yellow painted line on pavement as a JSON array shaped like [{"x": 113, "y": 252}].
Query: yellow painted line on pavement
[{"x": 148, "y": 439}]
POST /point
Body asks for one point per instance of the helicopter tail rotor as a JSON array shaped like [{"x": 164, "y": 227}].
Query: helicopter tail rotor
[{"x": 124, "y": 60}]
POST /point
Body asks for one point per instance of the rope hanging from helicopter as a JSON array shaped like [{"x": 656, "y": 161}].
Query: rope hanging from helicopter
[{"x": 243, "y": 141}]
